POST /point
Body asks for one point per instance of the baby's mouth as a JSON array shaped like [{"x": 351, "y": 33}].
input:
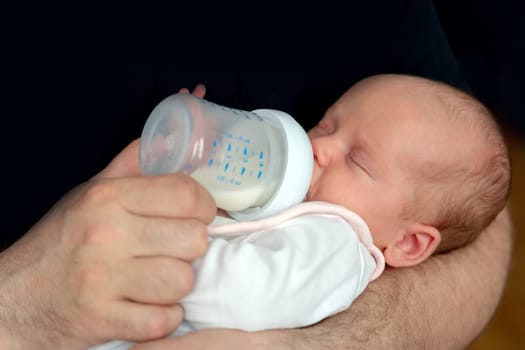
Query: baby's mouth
[
  {"x": 315, "y": 176},
  {"x": 309, "y": 193}
]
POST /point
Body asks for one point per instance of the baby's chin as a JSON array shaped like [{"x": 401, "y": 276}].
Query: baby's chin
[
  {"x": 309, "y": 197},
  {"x": 222, "y": 212}
]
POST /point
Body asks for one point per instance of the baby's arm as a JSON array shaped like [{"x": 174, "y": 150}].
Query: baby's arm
[{"x": 284, "y": 277}]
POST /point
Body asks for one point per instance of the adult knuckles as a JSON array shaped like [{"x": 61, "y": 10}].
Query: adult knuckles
[
  {"x": 98, "y": 233},
  {"x": 162, "y": 275},
  {"x": 189, "y": 192},
  {"x": 159, "y": 324},
  {"x": 98, "y": 192},
  {"x": 184, "y": 278},
  {"x": 91, "y": 214},
  {"x": 200, "y": 239},
  {"x": 94, "y": 274},
  {"x": 189, "y": 238},
  {"x": 194, "y": 198}
]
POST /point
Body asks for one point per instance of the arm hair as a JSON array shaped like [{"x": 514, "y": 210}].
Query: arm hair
[{"x": 443, "y": 303}]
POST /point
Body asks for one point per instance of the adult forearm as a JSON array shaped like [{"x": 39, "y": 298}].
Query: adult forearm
[
  {"x": 17, "y": 329},
  {"x": 441, "y": 304}
]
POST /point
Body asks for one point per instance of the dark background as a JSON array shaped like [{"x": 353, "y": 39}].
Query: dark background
[
  {"x": 488, "y": 41},
  {"x": 65, "y": 119}
]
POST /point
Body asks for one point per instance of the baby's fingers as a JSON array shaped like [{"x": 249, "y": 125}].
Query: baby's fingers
[{"x": 199, "y": 91}]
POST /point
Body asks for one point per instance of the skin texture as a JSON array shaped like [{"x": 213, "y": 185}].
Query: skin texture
[
  {"x": 369, "y": 150},
  {"x": 71, "y": 248},
  {"x": 366, "y": 149},
  {"x": 78, "y": 276}
]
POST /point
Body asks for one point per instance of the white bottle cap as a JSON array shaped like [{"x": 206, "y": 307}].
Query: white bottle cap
[{"x": 297, "y": 169}]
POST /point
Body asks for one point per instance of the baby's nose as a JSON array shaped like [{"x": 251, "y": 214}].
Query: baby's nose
[{"x": 322, "y": 152}]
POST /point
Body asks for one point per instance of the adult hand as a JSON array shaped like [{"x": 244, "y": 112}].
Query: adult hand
[{"x": 108, "y": 261}]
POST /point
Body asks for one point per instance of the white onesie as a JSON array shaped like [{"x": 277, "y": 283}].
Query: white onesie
[{"x": 287, "y": 271}]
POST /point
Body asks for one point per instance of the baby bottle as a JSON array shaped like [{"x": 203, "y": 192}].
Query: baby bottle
[{"x": 254, "y": 164}]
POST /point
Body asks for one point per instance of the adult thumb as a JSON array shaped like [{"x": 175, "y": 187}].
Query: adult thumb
[{"x": 126, "y": 163}]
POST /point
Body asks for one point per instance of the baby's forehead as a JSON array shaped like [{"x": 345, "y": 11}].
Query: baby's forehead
[
  {"x": 409, "y": 89},
  {"x": 411, "y": 104},
  {"x": 435, "y": 104}
]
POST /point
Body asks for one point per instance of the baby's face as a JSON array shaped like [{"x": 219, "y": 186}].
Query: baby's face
[{"x": 366, "y": 149}]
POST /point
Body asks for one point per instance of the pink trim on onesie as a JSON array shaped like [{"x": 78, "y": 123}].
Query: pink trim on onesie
[{"x": 309, "y": 208}]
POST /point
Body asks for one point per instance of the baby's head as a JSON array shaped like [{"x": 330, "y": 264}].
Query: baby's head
[{"x": 422, "y": 162}]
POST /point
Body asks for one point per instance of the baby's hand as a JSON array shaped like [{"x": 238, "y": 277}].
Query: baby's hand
[{"x": 199, "y": 91}]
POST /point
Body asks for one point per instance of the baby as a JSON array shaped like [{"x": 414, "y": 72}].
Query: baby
[
  {"x": 404, "y": 167},
  {"x": 423, "y": 163}
]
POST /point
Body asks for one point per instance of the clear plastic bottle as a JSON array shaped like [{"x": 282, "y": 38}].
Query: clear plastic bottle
[{"x": 242, "y": 158}]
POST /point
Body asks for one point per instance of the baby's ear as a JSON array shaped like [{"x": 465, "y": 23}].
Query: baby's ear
[{"x": 415, "y": 244}]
